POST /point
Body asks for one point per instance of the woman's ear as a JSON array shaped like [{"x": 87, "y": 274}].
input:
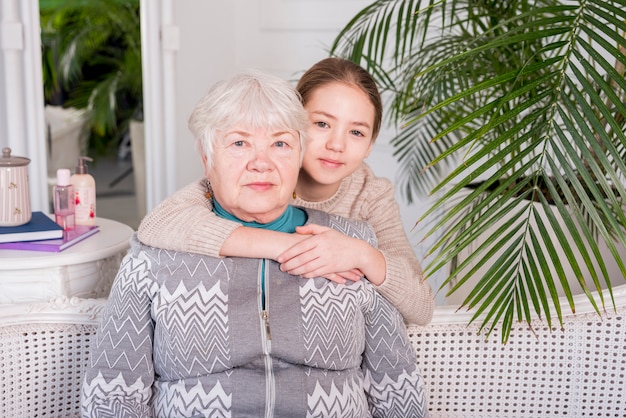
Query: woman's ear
[{"x": 205, "y": 164}]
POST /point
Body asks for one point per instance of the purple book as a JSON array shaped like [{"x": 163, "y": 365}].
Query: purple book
[{"x": 70, "y": 237}]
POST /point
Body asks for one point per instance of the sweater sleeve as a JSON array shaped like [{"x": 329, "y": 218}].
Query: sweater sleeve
[
  {"x": 393, "y": 383},
  {"x": 404, "y": 286},
  {"x": 185, "y": 222},
  {"x": 120, "y": 373}
]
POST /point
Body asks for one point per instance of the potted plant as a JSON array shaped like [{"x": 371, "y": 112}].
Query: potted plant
[
  {"x": 524, "y": 103},
  {"x": 91, "y": 53}
]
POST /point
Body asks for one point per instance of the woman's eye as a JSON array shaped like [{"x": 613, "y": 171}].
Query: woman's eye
[
  {"x": 284, "y": 145},
  {"x": 239, "y": 143},
  {"x": 321, "y": 124}
]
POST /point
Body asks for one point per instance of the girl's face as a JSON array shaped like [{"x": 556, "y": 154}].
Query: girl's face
[{"x": 341, "y": 118}]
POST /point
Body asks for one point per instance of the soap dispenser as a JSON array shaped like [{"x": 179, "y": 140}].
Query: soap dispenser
[{"x": 85, "y": 193}]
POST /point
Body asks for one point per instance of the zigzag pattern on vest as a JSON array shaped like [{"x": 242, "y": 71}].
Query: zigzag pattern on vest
[
  {"x": 336, "y": 403},
  {"x": 332, "y": 325},
  {"x": 182, "y": 336},
  {"x": 393, "y": 401},
  {"x": 197, "y": 334},
  {"x": 128, "y": 301},
  {"x": 178, "y": 400},
  {"x": 360, "y": 230}
]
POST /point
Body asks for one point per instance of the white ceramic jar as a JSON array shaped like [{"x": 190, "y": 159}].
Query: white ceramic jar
[{"x": 14, "y": 190}]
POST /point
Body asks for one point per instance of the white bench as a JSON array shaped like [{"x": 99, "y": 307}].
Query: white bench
[{"x": 578, "y": 372}]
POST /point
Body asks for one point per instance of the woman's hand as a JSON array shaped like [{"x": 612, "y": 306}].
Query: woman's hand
[{"x": 333, "y": 255}]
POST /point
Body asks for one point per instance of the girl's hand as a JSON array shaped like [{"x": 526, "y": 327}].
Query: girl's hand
[
  {"x": 343, "y": 277},
  {"x": 326, "y": 253}
]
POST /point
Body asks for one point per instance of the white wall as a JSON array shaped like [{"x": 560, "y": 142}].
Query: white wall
[{"x": 283, "y": 37}]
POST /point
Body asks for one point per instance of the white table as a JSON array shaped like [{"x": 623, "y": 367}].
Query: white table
[
  {"x": 50, "y": 305},
  {"x": 85, "y": 270}
]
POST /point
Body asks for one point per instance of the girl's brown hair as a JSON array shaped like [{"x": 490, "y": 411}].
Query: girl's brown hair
[{"x": 342, "y": 71}]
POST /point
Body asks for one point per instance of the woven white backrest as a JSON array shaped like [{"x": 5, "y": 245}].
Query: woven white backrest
[
  {"x": 576, "y": 372},
  {"x": 44, "y": 350}
]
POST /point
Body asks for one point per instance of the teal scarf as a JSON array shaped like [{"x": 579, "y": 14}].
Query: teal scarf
[{"x": 286, "y": 222}]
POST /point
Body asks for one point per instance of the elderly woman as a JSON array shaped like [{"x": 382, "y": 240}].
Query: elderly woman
[{"x": 186, "y": 335}]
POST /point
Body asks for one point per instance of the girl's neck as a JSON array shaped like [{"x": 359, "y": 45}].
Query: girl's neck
[{"x": 312, "y": 191}]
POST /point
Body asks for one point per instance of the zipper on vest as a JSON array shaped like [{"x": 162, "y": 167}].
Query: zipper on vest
[
  {"x": 265, "y": 312},
  {"x": 266, "y": 339},
  {"x": 266, "y": 318}
]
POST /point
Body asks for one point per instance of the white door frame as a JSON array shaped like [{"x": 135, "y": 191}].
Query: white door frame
[
  {"x": 159, "y": 43},
  {"x": 22, "y": 126}
]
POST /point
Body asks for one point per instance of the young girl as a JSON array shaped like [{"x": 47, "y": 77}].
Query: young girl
[{"x": 345, "y": 114}]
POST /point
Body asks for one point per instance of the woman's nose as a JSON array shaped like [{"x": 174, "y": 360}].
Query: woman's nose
[{"x": 260, "y": 160}]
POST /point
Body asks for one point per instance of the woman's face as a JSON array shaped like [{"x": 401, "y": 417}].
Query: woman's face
[
  {"x": 341, "y": 118},
  {"x": 255, "y": 171}
]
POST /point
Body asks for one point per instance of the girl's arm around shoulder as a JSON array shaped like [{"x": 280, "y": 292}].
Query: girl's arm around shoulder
[{"x": 185, "y": 222}]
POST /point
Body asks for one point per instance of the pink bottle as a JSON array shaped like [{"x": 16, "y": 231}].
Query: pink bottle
[{"x": 64, "y": 206}]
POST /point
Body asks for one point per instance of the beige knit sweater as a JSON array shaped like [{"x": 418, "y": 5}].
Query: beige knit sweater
[{"x": 185, "y": 222}]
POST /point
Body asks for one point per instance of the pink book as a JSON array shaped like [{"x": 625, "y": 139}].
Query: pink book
[{"x": 70, "y": 237}]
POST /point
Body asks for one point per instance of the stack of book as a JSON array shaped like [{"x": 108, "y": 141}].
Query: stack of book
[{"x": 42, "y": 234}]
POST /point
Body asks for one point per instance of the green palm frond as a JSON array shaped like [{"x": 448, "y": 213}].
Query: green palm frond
[{"x": 527, "y": 99}]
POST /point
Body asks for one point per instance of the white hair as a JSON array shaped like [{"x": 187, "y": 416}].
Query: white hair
[{"x": 253, "y": 99}]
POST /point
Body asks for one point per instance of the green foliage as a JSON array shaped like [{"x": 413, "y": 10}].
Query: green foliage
[
  {"x": 92, "y": 61},
  {"x": 524, "y": 101}
]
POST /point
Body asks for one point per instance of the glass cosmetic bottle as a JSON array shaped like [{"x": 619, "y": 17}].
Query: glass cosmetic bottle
[{"x": 64, "y": 206}]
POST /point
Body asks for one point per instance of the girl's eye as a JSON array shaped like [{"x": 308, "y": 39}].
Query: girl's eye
[{"x": 357, "y": 133}]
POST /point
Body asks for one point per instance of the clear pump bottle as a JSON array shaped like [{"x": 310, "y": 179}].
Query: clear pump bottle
[{"x": 64, "y": 208}]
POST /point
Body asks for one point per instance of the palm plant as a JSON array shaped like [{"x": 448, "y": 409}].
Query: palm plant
[
  {"x": 523, "y": 101},
  {"x": 92, "y": 61}
]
